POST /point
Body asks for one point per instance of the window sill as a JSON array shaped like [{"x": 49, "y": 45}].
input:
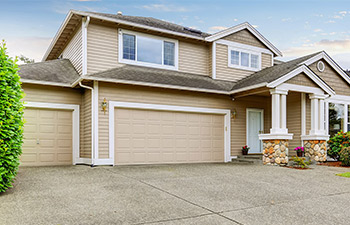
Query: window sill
[
  {"x": 243, "y": 68},
  {"x": 131, "y": 62}
]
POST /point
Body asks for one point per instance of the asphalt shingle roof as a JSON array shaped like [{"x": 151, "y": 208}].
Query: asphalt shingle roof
[
  {"x": 150, "y": 21},
  {"x": 163, "y": 77},
  {"x": 58, "y": 71},
  {"x": 272, "y": 73}
]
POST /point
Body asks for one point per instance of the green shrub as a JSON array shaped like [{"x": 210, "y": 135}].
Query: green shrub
[
  {"x": 11, "y": 122},
  {"x": 337, "y": 143},
  {"x": 344, "y": 156},
  {"x": 301, "y": 162}
]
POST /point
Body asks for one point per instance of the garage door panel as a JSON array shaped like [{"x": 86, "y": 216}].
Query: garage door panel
[
  {"x": 47, "y": 137},
  {"x": 167, "y": 137}
]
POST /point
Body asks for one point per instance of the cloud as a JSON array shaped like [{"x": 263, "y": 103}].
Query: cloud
[
  {"x": 31, "y": 47},
  {"x": 330, "y": 21},
  {"x": 216, "y": 29},
  {"x": 343, "y": 13},
  {"x": 337, "y": 17},
  {"x": 64, "y": 7},
  {"x": 164, "y": 8},
  {"x": 340, "y": 49},
  {"x": 317, "y": 30},
  {"x": 286, "y": 19}
]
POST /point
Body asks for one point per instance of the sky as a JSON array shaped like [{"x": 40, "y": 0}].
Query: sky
[{"x": 296, "y": 27}]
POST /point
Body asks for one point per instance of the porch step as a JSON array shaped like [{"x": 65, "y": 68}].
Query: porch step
[{"x": 248, "y": 159}]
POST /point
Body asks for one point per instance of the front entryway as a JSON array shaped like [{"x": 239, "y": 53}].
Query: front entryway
[{"x": 255, "y": 125}]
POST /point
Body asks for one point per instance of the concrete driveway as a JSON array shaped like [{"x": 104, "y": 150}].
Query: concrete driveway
[{"x": 177, "y": 194}]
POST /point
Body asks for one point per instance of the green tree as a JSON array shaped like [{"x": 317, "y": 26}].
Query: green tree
[
  {"x": 26, "y": 60},
  {"x": 11, "y": 119}
]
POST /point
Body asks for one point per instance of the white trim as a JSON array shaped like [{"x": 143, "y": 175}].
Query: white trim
[
  {"x": 83, "y": 161},
  {"x": 303, "y": 114},
  {"x": 155, "y": 85},
  {"x": 296, "y": 72},
  {"x": 84, "y": 26},
  {"x": 300, "y": 88},
  {"x": 244, "y": 46},
  {"x": 95, "y": 115},
  {"x": 153, "y": 65},
  {"x": 27, "y": 81},
  {"x": 276, "y": 136},
  {"x": 330, "y": 61},
  {"x": 240, "y": 27},
  {"x": 314, "y": 137},
  {"x": 240, "y": 50},
  {"x": 75, "y": 121},
  {"x": 133, "y": 105},
  {"x": 261, "y": 123},
  {"x": 213, "y": 58}
]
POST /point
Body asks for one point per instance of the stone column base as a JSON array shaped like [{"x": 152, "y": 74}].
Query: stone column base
[
  {"x": 316, "y": 150},
  {"x": 275, "y": 152}
]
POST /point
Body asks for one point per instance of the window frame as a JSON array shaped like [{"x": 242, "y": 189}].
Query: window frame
[
  {"x": 250, "y": 52},
  {"x": 147, "y": 64}
]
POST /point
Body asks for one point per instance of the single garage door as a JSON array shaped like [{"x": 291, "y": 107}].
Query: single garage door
[
  {"x": 155, "y": 137},
  {"x": 47, "y": 137}
]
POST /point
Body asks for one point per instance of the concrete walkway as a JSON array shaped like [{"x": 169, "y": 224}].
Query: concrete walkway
[{"x": 177, "y": 194}]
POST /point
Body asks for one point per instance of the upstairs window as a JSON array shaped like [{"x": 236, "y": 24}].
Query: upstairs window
[
  {"x": 245, "y": 60},
  {"x": 147, "y": 50}
]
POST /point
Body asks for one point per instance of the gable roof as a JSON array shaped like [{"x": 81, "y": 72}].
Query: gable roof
[
  {"x": 74, "y": 18},
  {"x": 146, "y": 76},
  {"x": 58, "y": 72},
  {"x": 270, "y": 74},
  {"x": 251, "y": 29}
]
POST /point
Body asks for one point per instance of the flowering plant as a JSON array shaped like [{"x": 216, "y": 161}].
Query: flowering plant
[
  {"x": 245, "y": 148},
  {"x": 299, "y": 149}
]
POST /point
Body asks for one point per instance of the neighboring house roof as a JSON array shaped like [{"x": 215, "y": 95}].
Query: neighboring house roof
[
  {"x": 270, "y": 74},
  {"x": 74, "y": 18},
  {"x": 139, "y": 75},
  {"x": 58, "y": 72},
  {"x": 348, "y": 72}
]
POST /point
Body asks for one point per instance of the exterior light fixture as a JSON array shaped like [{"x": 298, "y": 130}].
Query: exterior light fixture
[
  {"x": 234, "y": 114},
  {"x": 104, "y": 105}
]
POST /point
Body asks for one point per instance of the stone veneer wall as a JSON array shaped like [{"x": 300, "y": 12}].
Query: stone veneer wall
[
  {"x": 275, "y": 152},
  {"x": 316, "y": 150}
]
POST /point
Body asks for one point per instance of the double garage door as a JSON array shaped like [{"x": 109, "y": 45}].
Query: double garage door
[
  {"x": 47, "y": 137},
  {"x": 155, "y": 137}
]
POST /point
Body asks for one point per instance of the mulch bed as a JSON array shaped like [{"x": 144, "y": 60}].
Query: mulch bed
[{"x": 334, "y": 164}]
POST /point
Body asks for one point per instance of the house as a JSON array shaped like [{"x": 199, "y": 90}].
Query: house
[{"x": 122, "y": 90}]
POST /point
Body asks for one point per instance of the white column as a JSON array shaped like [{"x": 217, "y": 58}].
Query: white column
[
  {"x": 317, "y": 114},
  {"x": 322, "y": 118},
  {"x": 284, "y": 113},
  {"x": 279, "y": 111}
]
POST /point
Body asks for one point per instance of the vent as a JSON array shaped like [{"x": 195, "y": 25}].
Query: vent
[{"x": 192, "y": 30}]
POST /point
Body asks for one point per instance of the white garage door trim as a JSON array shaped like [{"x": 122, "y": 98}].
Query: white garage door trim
[
  {"x": 75, "y": 119},
  {"x": 133, "y": 105}
]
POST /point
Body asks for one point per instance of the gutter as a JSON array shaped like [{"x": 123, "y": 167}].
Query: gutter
[{"x": 92, "y": 122}]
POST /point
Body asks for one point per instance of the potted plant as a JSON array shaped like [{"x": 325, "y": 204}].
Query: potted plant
[
  {"x": 245, "y": 150},
  {"x": 300, "y": 151}
]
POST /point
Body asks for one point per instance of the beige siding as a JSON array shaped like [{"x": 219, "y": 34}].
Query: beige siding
[
  {"x": 266, "y": 60},
  {"x": 85, "y": 126},
  {"x": 193, "y": 58},
  {"x": 332, "y": 78},
  {"x": 74, "y": 51},
  {"x": 245, "y": 37},
  {"x": 102, "y": 47},
  {"x": 223, "y": 72},
  {"x": 302, "y": 79},
  {"x": 114, "y": 92},
  {"x": 294, "y": 119}
]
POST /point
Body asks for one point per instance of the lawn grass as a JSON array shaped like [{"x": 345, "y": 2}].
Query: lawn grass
[{"x": 347, "y": 174}]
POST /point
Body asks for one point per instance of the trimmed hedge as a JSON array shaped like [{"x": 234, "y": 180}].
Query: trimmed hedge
[
  {"x": 11, "y": 119},
  {"x": 344, "y": 156}
]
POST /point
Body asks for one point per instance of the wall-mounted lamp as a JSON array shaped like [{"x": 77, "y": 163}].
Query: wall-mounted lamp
[
  {"x": 104, "y": 105},
  {"x": 234, "y": 114}
]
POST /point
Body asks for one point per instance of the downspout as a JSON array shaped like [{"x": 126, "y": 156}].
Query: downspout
[{"x": 92, "y": 122}]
